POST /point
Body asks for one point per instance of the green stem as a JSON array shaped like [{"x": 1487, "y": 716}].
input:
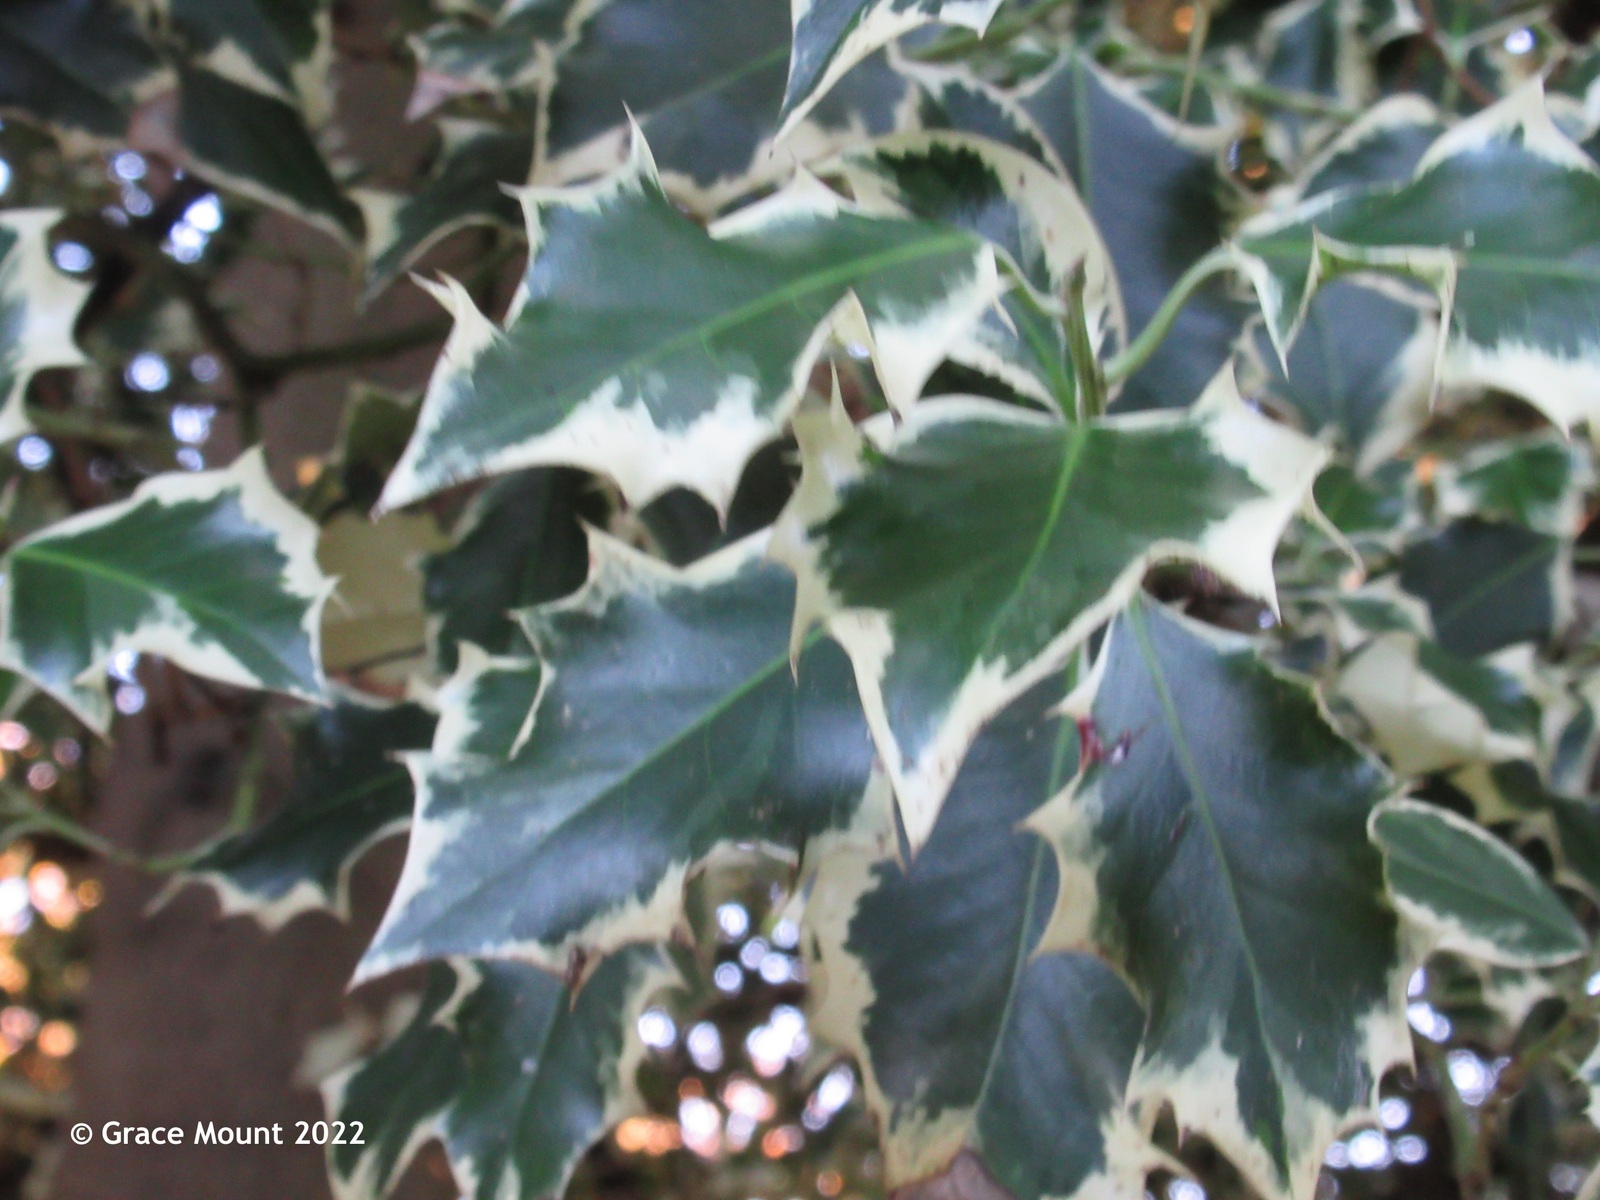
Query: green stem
[
  {"x": 1091, "y": 384},
  {"x": 1191, "y": 62},
  {"x": 1139, "y": 350},
  {"x": 1260, "y": 93},
  {"x": 1005, "y": 29}
]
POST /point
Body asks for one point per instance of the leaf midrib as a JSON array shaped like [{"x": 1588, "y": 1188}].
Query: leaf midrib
[
  {"x": 1422, "y": 866},
  {"x": 806, "y": 285},
  {"x": 221, "y": 616},
  {"x": 1064, "y": 735},
  {"x": 1072, "y": 454},
  {"x": 1202, "y": 805},
  {"x": 518, "y": 865}
]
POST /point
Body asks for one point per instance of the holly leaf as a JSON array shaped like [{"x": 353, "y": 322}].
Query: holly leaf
[
  {"x": 519, "y": 543},
  {"x": 79, "y": 65},
  {"x": 831, "y": 36},
  {"x": 967, "y": 1039},
  {"x": 1155, "y": 193},
  {"x": 1489, "y": 585},
  {"x": 258, "y": 145},
  {"x": 214, "y": 571},
  {"x": 350, "y": 791},
  {"x": 1383, "y": 145},
  {"x": 280, "y": 48},
  {"x": 38, "y": 308},
  {"x": 1537, "y": 480},
  {"x": 1361, "y": 370},
  {"x": 1471, "y": 892},
  {"x": 669, "y": 723},
  {"x": 662, "y": 354},
  {"x": 466, "y": 186},
  {"x": 1428, "y": 709},
  {"x": 962, "y": 555},
  {"x": 1501, "y": 219},
  {"x": 1217, "y": 854},
  {"x": 1033, "y": 219},
  {"x": 515, "y": 1073},
  {"x": 704, "y": 80}
]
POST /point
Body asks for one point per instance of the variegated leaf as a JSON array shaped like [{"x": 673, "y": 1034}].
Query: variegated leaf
[
  {"x": 514, "y": 1072},
  {"x": 79, "y": 65},
  {"x": 1428, "y": 710},
  {"x": 259, "y": 145},
  {"x": 1383, "y": 145},
  {"x": 1361, "y": 370},
  {"x": 1159, "y": 200},
  {"x": 519, "y": 543},
  {"x": 216, "y": 572},
  {"x": 1490, "y": 585},
  {"x": 831, "y": 36},
  {"x": 475, "y": 164},
  {"x": 349, "y": 792},
  {"x": 1469, "y": 891},
  {"x": 704, "y": 80},
  {"x": 961, "y": 556},
  {"x": 38, "y": 308},
  {"x": 508, "y": 54},
  {"x": 669, "y": 723},
  {"x": 647, "y": 348},
  {"x": 1312, "y": 48},
  {"x": 1031, "y": 216},
  {"x": 1570, "y": 825},
  {"x": 1537, "y": 480},
  {"x": 1502, "y": 219},
  {"x": 968, "y": 1039},
  {"x": 280, "y": 48},
  {"x": 1218, "y": 855}
]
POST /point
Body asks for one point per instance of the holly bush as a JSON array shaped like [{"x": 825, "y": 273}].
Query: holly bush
[{"x": 1093, "y": 495}]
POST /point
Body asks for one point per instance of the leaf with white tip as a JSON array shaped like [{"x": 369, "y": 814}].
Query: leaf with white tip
[
  {"x": 1537, "y": 480},
  {"x": 81, "y": 65},
  {"x": 831, "y": 36},
  {"x": 214, "y": 571},
  {"x": 466, "y": 186},
  {"x": 1031, "y": 216},
  {"x": 1428, "y": 709},
  {"x": 515, "y": 1073},
  {"x": 1471, "y": 892},
  {"x": 963, "y": 555},
  {"x": 1362, "y": 370},
  {"x": 520, "y": 543},
  {"x": 704, "y": 80},
  {"x": 1570, "y": 825},
  {"x": 38, "y": 308},
  {"x": 1502, "y": 219},
  {"x": 1218, "y": 855},
  {"x": 1384, "y": 145},
  {"x": 967, "y": 1039},
  {"x": 669, "y": 723},
  {"x": 349, "y": 792},
  {"x": 280, "y": 48},
  {"x": 649, "y": 349}
]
